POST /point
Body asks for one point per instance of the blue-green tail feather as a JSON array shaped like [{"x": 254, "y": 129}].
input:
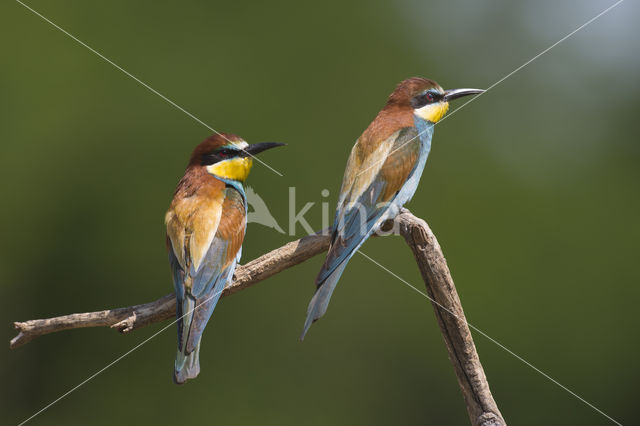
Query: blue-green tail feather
[{"x": 187, "y": 366}]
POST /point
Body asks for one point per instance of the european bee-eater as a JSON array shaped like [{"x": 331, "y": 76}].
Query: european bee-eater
[
  {"x": 206, "y": 223},
  {"x": 382, "y": 174}
]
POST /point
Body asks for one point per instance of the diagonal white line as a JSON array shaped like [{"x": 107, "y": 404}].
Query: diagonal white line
[
  {"x": 96, "y": 373},
  {"x": 212, "y": 129},
  {"x": 145, "y": 85},
  {"x": 533, "y": 59},
  {"x": 118, "y": 359},
  {"x": 518, "y": 357},
  {"x": 501, "y": 80},
  {"x": 187, "y": 113}
]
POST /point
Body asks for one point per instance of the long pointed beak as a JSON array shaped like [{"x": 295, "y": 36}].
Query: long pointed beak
[
  {"x": 256, "y": 148},
  {"x": 450, "y": 95}
]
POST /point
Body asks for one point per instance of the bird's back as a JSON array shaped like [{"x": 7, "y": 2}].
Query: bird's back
[{"x": 206, "y": 223}]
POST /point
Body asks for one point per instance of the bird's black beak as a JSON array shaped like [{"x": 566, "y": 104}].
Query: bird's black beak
[
  {"x": 256, "y": 148},
  {"x": 450, "y": 95}
]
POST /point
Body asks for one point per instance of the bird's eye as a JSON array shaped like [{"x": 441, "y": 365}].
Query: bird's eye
[
  {"x": 216, "y": 156},
  {"x": 224, "y": 153},
  {"x": 425, "y": 98}
]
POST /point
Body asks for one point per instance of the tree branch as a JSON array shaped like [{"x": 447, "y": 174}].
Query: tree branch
[
  {"x": 133, "y": 317},
  {"x": 481, "y": 406}
]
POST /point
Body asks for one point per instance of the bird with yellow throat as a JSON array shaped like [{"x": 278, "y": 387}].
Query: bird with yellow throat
[
  {"x": 206, "y": 224},
  {"x": 382, "y": 174}
]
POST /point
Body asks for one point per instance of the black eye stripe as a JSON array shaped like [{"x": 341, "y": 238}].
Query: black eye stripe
[
  {"x": 426, "y": 98},
  {"x": 219, "y": 155}
]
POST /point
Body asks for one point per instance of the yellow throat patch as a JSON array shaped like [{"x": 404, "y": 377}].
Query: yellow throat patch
[
  {"x": 233, "y": 169},
  {"x": 433, "y": 112}
]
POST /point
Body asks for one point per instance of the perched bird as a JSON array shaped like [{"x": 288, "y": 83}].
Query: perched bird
[
  {"x": 206, "y": 223},
  {"x": 382, "y": 174}
]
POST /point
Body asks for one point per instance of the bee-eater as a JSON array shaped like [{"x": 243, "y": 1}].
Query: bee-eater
[
  {"x": 382, "y": 174},
  {"x": 206, "y": 223}
]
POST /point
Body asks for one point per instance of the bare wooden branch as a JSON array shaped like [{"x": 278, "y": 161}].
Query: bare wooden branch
[
  {"x": 133, "y": 317},
  {"x": 481, "y": 406}
]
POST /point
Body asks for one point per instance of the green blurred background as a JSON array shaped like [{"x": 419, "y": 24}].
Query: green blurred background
[{"x": 532, "y": 191}]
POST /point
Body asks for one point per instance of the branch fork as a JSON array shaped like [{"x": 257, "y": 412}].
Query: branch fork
[{"x": 481, "y": 407}]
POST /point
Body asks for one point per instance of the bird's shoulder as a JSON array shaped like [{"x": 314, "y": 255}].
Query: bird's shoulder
[
  {"x": 198, "y": 194},
  {"x": 387, "y": 123},
  {"x": 194, "y": 215},
  {"x": 390, "y": 159},
  {"x": 400, "y": 162}
]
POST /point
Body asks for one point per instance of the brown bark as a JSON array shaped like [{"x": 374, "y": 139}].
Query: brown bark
[{"x": 481, "y": 406}]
